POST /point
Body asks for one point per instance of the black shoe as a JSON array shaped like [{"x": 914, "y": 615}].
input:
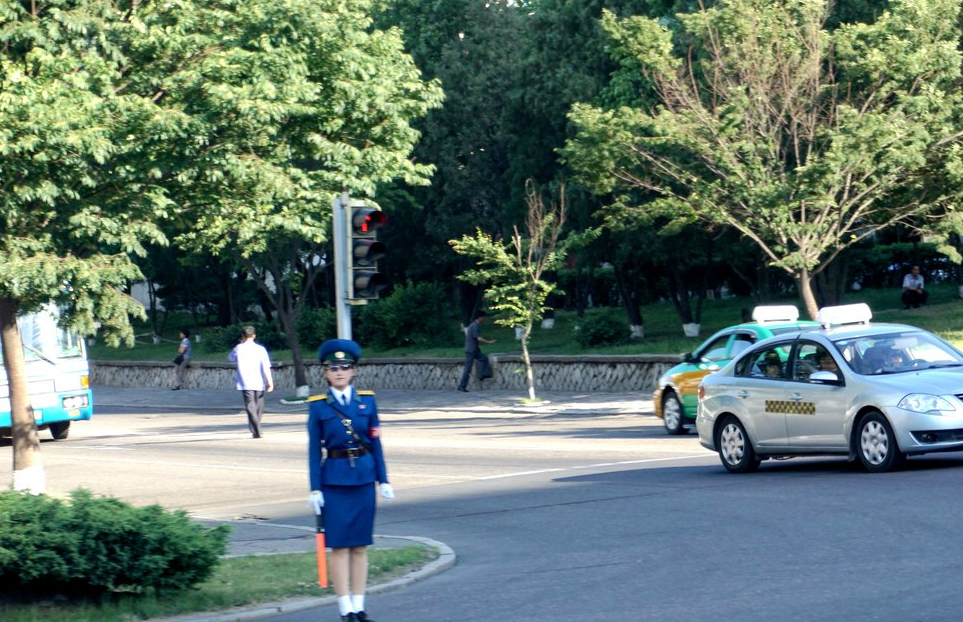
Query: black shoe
[
  {"x": 363, "y": 617},
  {"x": 463, "y": 389},
  {"x": 350, "y": 617},
  {"x": 175, "y": 388}
]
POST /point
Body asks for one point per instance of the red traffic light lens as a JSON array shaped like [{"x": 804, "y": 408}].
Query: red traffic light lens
[{"x": 366, "y": 220}]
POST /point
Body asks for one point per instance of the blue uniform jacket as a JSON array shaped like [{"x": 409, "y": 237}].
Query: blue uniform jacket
[{"x": 326, "y": 430}]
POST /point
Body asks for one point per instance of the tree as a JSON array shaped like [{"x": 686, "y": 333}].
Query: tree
[
  {"x": 473, "y": 49},
  {"x": 805, "y": 140},
  {"x": 288, "y": 103},
  {"x": 76, "y": 192},
  {"x": 516, "y": 269}
]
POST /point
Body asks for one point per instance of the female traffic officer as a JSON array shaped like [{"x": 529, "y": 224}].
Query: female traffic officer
[{"x": 344, "y": 423}]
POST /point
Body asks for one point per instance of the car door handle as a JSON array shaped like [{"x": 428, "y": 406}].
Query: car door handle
[
  {"x": 796, "y": 397},
  {"x": 742, "y": 394}
]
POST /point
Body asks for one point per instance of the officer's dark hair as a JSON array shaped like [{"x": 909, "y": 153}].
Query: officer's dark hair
[
  {"x": 480, "y": 314},
  {"x": 186, "y": 332}
]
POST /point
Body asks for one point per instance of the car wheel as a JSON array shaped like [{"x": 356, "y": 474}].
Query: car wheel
[
  {"x": 735, "y": 448},
  {"x": 60, "y": 430},
  {"x": 672, "y": 414},
  {"x": 878, "y": 450}
]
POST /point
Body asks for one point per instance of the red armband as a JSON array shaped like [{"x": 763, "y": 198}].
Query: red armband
[{"x": 374, "y": 432}]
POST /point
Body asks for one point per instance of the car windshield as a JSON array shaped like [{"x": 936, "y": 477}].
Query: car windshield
[{"x": 897, "y": 353}]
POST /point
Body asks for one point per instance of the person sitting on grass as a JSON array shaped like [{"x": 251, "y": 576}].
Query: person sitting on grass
[{"x": 913, "y": 293}]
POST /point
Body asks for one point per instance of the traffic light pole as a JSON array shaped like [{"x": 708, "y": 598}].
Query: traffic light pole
[{"x": 339, "y": 232}]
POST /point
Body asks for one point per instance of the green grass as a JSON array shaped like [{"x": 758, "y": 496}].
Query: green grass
[
  {"x": 663, "y": 330},
  {"x": 238, "y": 581}
]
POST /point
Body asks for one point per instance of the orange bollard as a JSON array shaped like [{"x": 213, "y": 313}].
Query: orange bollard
[{"x": 322, "y": 557}]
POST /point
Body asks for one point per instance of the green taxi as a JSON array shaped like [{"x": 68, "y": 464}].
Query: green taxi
[{"x": 675, "y": 396}]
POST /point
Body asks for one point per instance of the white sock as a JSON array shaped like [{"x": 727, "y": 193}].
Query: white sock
[
  {"x": 344, "y": 605},
  {"x": 357, "y": 602}
]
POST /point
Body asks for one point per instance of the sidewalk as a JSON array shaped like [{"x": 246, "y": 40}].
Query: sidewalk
[
  {"x": 389, "y": 401},
  {"x": 258, "y": 538}
]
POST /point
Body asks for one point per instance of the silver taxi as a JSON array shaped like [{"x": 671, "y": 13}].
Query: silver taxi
[{"x": 873, "y": 392}]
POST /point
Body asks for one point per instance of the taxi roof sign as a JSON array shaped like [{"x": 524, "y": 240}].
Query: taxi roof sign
[
  {"x": 775, "y": 313},
  {"x": 858, "y": 313}
]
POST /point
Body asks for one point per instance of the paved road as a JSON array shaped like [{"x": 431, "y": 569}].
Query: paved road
[{"x": 575, "y": 511}]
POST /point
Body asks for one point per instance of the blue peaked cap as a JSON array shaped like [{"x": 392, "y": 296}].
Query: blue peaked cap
[{"x": 339, "y": 351}]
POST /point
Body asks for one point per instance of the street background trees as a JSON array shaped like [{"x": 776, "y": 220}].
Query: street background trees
[
  {"x": 803, "y": 139},
  {"x": 739, "y": 147},
  {"x": 236, "y": 122},
  {"x": 511, "y": 74}
]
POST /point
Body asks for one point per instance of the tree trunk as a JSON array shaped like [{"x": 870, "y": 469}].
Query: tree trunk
[
  {"x": 28, "y": 473},
  {"x": 830, "y": 284},
  {"x": 630, "y": 300},
  {"x": 679, "y": 295},
  {"x": 805, "y": 287},
  {"x": 704, "y": 283},
  {"x": 529, "y": 376},
  {"x": 152, "y": 298},
  {"x": 287, "y": 320}
]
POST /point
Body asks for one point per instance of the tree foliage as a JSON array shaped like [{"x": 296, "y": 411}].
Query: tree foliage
[
  {"x": 473, "y": 49},
  {"x": 515, "y": 271},
  {"x": 242, "y": 119},
  {"x": 288, "y": 104},
  {"x": 804, "y": 139}
]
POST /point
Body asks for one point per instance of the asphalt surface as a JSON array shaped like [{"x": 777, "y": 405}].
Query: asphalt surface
[{"x": 259, "y": 538}]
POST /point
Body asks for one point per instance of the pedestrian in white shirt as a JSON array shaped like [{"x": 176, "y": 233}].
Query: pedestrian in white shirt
[
  {"x": 253, "y": 377},
  {"x": 913, "y": 293}
]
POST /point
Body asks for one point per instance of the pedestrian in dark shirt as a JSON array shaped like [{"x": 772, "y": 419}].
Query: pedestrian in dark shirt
[
  {"x": 473, "y": 352},
  {"x": 183, "y": 359}
]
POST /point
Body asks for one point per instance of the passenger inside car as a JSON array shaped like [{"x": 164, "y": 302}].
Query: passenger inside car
[
  {"x": 892, "y": 360},
  {"x": 773, "y": 365},
  {"x": 806, "y": 366},
  {"x": 879, "y": 359},
  {"x": 872, "y": 360}
]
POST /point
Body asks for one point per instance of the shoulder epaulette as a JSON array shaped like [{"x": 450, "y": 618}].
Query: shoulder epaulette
[
  {"x": 366, "y": 392},
  {"x": 315, "y": 398}
]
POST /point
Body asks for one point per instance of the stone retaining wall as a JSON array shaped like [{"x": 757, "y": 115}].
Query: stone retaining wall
[{"x": 552, "y": 373}]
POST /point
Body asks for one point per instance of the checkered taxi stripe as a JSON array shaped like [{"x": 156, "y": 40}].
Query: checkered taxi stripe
[{"x": 785, "y": 407}]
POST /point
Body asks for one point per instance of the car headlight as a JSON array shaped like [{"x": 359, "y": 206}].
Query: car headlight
[{"x": 924, "y": 403}]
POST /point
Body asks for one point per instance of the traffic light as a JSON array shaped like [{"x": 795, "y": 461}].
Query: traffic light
[{"x": 364, "y": 251}]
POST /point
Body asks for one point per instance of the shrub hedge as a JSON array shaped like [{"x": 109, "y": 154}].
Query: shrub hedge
[
  {"x": 92, "y": 544},
  {"x": 602, "y": 327}
]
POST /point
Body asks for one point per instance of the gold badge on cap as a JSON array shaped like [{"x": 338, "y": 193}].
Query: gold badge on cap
[{"x": 339, "y": 355}]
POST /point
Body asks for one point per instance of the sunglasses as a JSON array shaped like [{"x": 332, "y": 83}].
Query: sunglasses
[{"x": 344, "y": 367}]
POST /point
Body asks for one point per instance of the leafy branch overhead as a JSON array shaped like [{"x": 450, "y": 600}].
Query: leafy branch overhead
[{"x": 756, "y": 115}]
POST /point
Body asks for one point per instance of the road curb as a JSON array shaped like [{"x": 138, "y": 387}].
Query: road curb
[{"x": 445, "y": 560}]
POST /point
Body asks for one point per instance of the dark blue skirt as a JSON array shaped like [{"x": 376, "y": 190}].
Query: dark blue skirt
[{"x": 349, "y": 513}]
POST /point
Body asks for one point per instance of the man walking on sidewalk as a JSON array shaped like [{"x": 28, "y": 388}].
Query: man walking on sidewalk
[
  {"x": 253, "y": 377},
  {"x": 473, "y": 351}
]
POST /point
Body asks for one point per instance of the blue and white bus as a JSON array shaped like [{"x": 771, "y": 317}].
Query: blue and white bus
[{"x": 57, "y": 375}]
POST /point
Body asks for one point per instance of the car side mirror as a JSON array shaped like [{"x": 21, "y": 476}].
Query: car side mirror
[
  {"x": 825, "y": 377},
  {"x": 690, "y": 357}
]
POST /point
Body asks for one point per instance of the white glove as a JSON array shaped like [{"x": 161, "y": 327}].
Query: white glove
[
  {"x": 316, "y": 501},
  {"x": 387, "y": 492}
]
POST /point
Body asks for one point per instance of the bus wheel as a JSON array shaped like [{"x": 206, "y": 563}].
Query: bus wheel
[{"x": 60, "y": 430}]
